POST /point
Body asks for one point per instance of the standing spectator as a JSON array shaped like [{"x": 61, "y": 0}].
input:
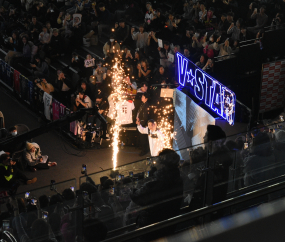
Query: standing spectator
[
  {"x": 104, "y": 17},
  {"x": 122, "y": 32},
  {"x": 259, "y": 166},
  {"x": 261, "y": 20},
  {"x": 140, "y": 37},
  {"x": 156, "y": 197},
  {"x": 143, "y": 116},
  {"x": 100, "y": 72},
  {"x": 163, "y": 52},
  {"x": 235, "y": 30},
  {"x": 63, "y": 88},
  {"x": 149, "y": 14},
  {"x": 221, "y": 28},
  {"x": 34, "y": 29},
  {"x": 224, "y": 48}
]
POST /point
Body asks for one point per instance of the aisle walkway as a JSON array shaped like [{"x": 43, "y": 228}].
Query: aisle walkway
[{"x": 69, "y": 166}]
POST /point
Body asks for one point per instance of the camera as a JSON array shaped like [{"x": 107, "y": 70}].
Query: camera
[
  {"x": 27, "y": 195},
  {"x": 83, "y": 169},
  {"x": 52, "y": 185},
  {"x": 38, "y": 80}
]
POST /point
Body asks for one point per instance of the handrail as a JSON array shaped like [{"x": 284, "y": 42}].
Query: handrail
[{"x": 197, "y": 213}]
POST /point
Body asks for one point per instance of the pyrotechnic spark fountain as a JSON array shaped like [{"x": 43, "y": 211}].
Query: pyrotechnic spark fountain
[{"x": 118, "y": 91}]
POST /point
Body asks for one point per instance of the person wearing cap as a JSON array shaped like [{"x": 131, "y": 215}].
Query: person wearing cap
[
  {"x": 10, "y": 175},
  {"x": 122, "y": 32},
  {"x": 35, "y": 159}
]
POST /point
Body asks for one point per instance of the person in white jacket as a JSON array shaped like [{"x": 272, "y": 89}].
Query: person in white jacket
[{"x": 155, "y": 136}]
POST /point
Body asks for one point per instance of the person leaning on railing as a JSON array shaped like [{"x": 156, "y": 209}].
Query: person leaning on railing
[{"x": 44, "y": 85}]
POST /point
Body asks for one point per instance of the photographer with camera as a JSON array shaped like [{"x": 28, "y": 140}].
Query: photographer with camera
[
  {"x": 44, "y": 85},
  {"x": 10, "y": 176}
]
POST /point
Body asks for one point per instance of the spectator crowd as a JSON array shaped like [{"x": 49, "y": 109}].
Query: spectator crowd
[{"x": 145, "y": 36}]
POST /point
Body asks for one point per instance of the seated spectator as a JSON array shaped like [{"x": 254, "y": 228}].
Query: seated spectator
[
  {"x": 104, "y": 18},
  {"x": 10, "y": 175},
  {"x": 143, "y": 88},
  {"x": 171, "y": 23},
  {"x": 202, "y": 62},
  {"x": 35, "y": 159},
  {"x": 151, "y": 49},
  {"x": 86, "y": 88},
  {"x": 111, "y": 48},
  {"x": 278, "y": 21},
  {"x": 259, "y": 166},
  {"x": 41, "y": 68},
  {"x": 25, "y": 54},
  {"x": 235, "y": 48},
  {"x": 82, "y": 100},
  {"x": 224, "y": 48},
  {"x": 209, "y": 67},
  {"x": 163, "y": 52},
  {"x": 144, "y": 71},
  {"x": 44, "y": 37},
  {"x": 140, "y": 37},
  {"x": 161, "y": 76},
  {"x": 44, "y": 85},
  {"x": 89, "y": 64},
  {"x": 56, "y": 44},
  {"x": 235, "y": 30},
  {"x": 261, "y": 20},
  {"x": 76, "y": 62},
  {"x": 152, "y": 196}
]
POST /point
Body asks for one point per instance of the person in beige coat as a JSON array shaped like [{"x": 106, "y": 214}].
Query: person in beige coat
[
  {"x": 35, "y": 159},
  {"x": 111, "y": 48}
]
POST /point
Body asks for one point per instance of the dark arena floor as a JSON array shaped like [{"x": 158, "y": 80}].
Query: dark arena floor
[{"x": 69, "y": 160}]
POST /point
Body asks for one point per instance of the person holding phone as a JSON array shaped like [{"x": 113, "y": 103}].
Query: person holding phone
[{"x": 261, "y": 20}]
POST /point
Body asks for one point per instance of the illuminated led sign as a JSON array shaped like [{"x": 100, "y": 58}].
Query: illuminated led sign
[{"x": 206, "y": 89}]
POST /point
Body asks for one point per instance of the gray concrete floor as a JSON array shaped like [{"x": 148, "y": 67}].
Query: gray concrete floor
[{"x": 69, "y": 166}]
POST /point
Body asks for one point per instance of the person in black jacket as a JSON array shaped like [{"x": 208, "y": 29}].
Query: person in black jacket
[
  {"x": 122, "y": 32},
  {"x": 143, "y": 115},
  {"x": 41, "y": 68},
  {"x": 10, "y": 175},
  {"x": 162, "y": 196},
  {"x": 63, "y": 88}
]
